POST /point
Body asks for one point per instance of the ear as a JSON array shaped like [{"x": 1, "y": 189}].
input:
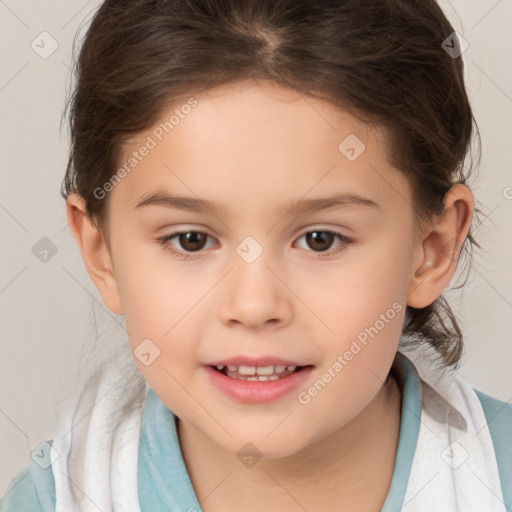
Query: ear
[
  {"x": 437, "y": 255},
  {"x": 95, "y": 252}
]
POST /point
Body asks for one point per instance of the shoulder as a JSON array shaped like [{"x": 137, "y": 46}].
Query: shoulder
[
  {"x": 31, "y": 490},
  {"x": 498, "y": 415}
]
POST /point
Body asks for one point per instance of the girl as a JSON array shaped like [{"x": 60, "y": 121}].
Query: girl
[{"x": 215, "y": 143}]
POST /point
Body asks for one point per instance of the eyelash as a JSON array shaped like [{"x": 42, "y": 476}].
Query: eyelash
[{"x": 164, "y": 241}]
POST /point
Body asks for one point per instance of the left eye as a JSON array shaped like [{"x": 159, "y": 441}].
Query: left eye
[
  {"x": 323, "y": 240},
  {"x": 194, "y": 241}
]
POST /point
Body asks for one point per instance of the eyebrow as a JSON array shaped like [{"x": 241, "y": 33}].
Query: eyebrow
[{"x": 192, "y": 204}]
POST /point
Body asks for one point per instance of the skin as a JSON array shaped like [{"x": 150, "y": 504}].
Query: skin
[{"x": 254, "y": 148}]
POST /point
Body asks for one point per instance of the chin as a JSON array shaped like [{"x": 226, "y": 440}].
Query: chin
[{"x": 259, "y": 447}]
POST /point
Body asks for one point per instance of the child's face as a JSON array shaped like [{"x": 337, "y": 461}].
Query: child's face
[{"x": 254, "y": 151}]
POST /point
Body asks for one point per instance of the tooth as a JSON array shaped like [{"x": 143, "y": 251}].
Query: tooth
[
  {"x": 265, "y": 370},
  {"x": 246, "y": 370},
  {"x": 291, "y": 368},
  {"x": 273, "y": 377},
  {"x": 232, "y": 367},
  {"x": 252, "y": 378},
  {"x": 280, "y": 368},
  {"x": 220, "y": 366},
  {"x": 263, "y": 378}
]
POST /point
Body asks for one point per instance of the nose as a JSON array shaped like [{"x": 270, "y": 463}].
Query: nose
[{"x": 255, "y": 296}]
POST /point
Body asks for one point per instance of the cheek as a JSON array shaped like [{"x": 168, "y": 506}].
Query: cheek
[
  {"x": 156, "y": 312},
  {"x": 368, "y": 282},
  {"x": 160, "y": 303},
  {"x": 363, "y": 304},
  {"x": 152, "y": 298}
]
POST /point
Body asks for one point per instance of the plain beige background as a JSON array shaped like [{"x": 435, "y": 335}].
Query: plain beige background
[{"x": 49, "y": 309}]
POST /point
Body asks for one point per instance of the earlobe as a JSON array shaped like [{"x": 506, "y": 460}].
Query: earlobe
[
  {"x": 438, "y": 253},
  {"x": 94, "y": 250}
]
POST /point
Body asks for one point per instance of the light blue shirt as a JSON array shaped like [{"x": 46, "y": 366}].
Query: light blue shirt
[{"x": 164, "y": 484}]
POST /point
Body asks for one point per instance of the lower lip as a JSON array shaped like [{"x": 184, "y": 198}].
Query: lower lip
[{"x": 258, "y": 391}]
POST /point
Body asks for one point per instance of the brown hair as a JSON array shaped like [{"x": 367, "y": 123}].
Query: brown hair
[{"x": 382, "y": 60}]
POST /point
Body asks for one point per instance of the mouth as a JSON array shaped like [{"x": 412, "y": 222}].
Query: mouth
[
  {"x": 258, "y": 373},
  {"x": 257, "y": 384}
]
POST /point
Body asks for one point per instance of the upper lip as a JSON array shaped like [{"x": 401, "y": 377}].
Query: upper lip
[{"x": 254, "y": 361}]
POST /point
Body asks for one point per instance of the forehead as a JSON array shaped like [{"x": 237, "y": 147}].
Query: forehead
[{"x": 259, "y": 141}]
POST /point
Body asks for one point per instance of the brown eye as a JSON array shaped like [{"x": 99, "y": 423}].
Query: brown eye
[
  {"x": 320, "y": 240},
  {"x": 189, "y": 242},
  {"x": 192, "y": 240}
]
